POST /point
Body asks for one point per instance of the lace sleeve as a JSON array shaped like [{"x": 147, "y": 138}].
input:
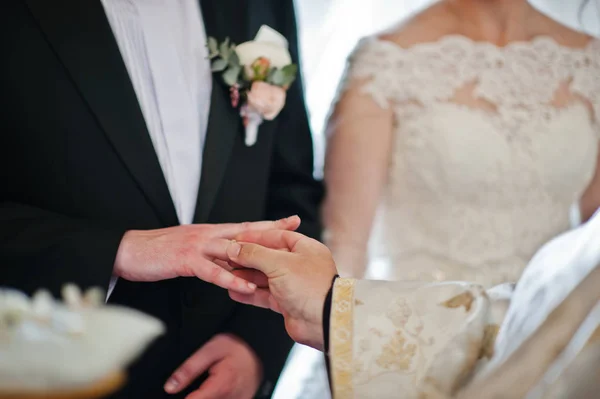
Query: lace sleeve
[
  {"x": 371, "y": 64},
  {"x": 358, "y": 150},
  {"x": 586, "y": 83}
]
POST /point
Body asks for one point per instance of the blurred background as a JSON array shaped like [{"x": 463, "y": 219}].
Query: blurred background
[{"x": 329, "y": 30}]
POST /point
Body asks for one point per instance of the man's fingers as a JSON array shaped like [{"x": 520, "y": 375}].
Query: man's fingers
[
  {"x": 272, "y": 238},
  {"x": 193, "y": 367},
  {"x": 216, "y": 249},
  {"x": 218, "y": 265},
  {"x": 261, "y": 298},
  {"x": 252, "y": 276},
  {"x": 230, "y": 230},
  {"x": 225, "y": 265}
]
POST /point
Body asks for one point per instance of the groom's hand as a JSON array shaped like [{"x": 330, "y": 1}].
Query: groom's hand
[
  {"x": 234, "y": 370},
  {"x": 198, "y": 250}
]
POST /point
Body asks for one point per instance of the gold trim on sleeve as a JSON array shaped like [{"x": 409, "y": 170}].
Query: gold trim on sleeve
[{"x": 341, "y": 338}]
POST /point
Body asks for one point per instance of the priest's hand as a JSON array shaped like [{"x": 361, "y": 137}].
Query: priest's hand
[{"x": 293, "y": 281}]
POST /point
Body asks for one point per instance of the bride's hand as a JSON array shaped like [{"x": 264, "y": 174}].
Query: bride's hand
[{"x": 293, "y": 282}]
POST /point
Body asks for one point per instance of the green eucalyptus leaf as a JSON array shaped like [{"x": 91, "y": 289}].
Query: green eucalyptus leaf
[
  {"x": 234, "y": 60},
  {"x": 288, "y": 80},
  {"x": 231, "y": 75},
  {"x": 272, "y": 72},
  {"x": 224, "y": 47},
  {"x": 277, "y": 78},
  {"x": 290, "y": 70},
  {"x": 219, "y": 65},
  {"x": 213, "y": 46}
]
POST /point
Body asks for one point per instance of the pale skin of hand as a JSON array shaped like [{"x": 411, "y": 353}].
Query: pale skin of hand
[
  {"x": 293, "y": 282},
  {"x": 198, "y": 250},
  {"x": 235, "y": 372}
]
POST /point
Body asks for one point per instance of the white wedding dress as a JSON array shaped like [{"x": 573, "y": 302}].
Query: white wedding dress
[{"x": 492, "y": 146}]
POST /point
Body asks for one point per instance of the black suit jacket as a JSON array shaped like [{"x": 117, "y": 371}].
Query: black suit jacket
[{"x": 79, "y": 170}]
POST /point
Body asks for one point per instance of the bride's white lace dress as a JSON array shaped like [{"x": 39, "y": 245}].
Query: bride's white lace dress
[{"x": 491, "y": 147}]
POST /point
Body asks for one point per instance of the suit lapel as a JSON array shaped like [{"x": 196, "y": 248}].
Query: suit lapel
[
  {"x": 222, "y": 18},
  {"x": 82, "y": 37}
]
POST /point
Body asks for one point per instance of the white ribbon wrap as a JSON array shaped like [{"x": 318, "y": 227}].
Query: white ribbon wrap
[{"x": 253, "y": 119}]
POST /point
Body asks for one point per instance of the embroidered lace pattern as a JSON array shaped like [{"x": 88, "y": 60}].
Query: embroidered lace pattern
[{"x": 491, "y": 147}]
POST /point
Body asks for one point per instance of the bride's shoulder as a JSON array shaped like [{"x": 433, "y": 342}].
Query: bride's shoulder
[
  {"x": 562, "y": 34},
  {"x": 427, "y": 26},
  {"x": 392, "y": 55},
  {"x": 387, "y": 60}
]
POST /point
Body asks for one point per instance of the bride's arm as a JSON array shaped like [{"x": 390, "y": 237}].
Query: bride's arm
[
  {"x": 356, "y": 165},
  {"x": 589, "y": 90},
  {"x": 590, "y": 200}
]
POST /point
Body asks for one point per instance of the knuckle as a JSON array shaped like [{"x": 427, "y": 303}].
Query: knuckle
[
  {"x": 184, "y": 252},
  {"x": 184, "y": 373},
  {"x": 246, "y": 225},
  {"x": 192, "y": 237},
  {"x": 213, "y": 274},
  {"x": 200, "y": 230},
  {"x": 249, "y": 252},
  {"x": 204, "y": 227}
]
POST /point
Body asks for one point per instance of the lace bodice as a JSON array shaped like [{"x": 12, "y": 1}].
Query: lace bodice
[{"x": 491, "y": 146}]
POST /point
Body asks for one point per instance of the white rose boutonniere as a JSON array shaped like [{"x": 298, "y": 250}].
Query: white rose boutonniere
[{"x": 258, "y": 74}]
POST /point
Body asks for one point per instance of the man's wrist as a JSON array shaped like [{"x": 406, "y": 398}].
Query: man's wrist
[
  {"x": 123, "y": 254},
  {"x": 261, "y": 380}
]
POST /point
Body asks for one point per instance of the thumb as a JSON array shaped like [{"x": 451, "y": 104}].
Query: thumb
[
  {"x": 193, "y": 367},
  {"x": 254, "y": 256}
]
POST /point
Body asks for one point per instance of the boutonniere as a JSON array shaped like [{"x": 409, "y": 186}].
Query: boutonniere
[{"x": 258, "y": 73}]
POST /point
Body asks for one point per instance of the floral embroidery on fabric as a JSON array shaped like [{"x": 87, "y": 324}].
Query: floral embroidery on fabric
[{"x": 397, "y": 354}]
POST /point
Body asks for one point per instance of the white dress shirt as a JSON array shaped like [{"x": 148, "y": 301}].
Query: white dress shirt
[{"x": 163, "y": 45}]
